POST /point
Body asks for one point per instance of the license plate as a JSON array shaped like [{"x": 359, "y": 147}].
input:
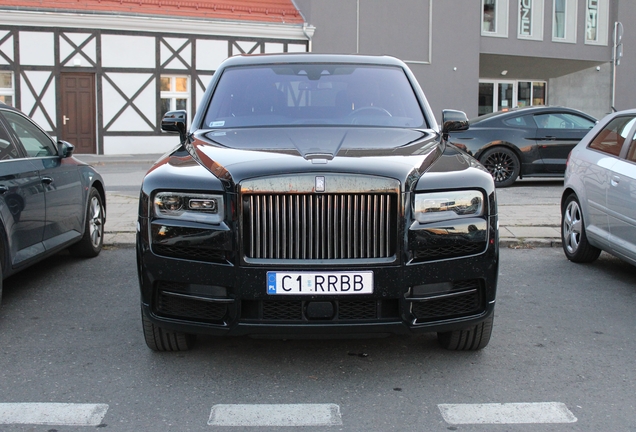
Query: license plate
[{"x": 320, "y": 283}]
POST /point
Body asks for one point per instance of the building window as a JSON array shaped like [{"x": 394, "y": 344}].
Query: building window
[
  {"x": 489, "y": 21},
  {"x": 531, "y": 19},
  {"x": 596, "y": 22},
  {"x": 504, "y": 95},
  {"x": 6, "y": 88},
  {"x": 525, "y": 18},
  {"x": 564, "y": 21},
  {"x": 494, "y": 18},
  {"x": 486, "y": 97},
  {"x": 175, "y": 93},
  {"x": 530, "y": 93}
]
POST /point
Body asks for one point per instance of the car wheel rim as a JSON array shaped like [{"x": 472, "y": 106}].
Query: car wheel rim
[
  {"x": 501, "y": 165},
  {"x": 572, "y": 226},
  {"x": 95, "y": 222}
]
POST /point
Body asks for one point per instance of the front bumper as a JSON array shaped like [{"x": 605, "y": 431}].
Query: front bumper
[{"x": 220, "y": 298}]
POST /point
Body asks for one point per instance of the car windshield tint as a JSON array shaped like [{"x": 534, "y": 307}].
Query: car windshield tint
[{"x": 314, "y": 94}]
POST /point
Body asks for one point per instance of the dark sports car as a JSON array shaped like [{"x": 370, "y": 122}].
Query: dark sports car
[
  {"x": 48, "y": 199},
  {"x": 524, "y": 142},
  {"x": 314, "y": 195}
]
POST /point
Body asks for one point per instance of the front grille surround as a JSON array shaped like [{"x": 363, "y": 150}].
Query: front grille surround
[
  {"x": 284, "y": 218},
  {"x": 319, "y": 226}
]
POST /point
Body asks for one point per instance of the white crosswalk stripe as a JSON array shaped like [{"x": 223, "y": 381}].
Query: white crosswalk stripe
[
  {"x": 275, "y": 415},
  {"x": 58, "y": 414},
  {"x": 507, "y": 413}
]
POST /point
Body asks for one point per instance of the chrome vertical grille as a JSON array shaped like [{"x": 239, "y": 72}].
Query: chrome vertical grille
[{"x": 319, "y": 226}]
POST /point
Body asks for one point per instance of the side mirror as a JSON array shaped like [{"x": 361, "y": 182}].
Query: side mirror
[
  {"x": 175, "y": 121},
  {"x": 453, "y": 121},
  {"x": 65, "y": 149}
]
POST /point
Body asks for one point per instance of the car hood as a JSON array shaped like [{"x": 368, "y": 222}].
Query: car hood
[{"x": 237, "y": 154}]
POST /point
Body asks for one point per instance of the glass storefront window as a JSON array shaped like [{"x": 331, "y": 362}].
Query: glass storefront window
[
  {"x": 486, "y": 98},
  {"x": 524, "y": 94},
  {"x": 505, "y": 95},
  {"x": 538, "y": 93}
]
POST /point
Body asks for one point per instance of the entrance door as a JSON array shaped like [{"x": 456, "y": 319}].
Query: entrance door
[
  {"x": 505, "y": 93},
  {"x": 78, "y": 111}
]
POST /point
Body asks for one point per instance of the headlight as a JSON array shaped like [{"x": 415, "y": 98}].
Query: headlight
[
  {"x": 438, "y": 206},
  {"x": 188, "y": 206}
]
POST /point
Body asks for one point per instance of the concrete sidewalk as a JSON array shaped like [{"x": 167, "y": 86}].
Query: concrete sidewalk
[{"x": 520, "y": 225}]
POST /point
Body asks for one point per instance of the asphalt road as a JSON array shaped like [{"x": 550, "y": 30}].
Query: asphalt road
[{"x": 70, "y": 332}]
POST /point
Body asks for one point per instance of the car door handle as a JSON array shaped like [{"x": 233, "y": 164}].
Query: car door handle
[
  {"x": 47, "y": 180},
  {"x": 615, "y": 180}
]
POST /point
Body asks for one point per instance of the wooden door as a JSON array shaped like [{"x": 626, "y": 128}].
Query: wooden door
[{"x": 77, "y": 118}]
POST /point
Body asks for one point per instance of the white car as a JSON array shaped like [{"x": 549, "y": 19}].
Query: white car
[{"x": 598, "y": 205}]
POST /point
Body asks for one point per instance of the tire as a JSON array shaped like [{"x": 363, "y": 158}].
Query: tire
[
  {"x": 159, "y": 339},
  {"x": 93, "y": 239},
  {"x": 468, "y": 339},
  {"x": 573, "y": 238},
  {"x": 503, "y": 164}
]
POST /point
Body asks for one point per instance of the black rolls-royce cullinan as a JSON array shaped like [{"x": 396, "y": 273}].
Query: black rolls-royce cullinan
[{"x": 315, "y": 195}]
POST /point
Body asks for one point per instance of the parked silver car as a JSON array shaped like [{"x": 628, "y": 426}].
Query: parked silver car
[{"x": 598, "y": 205}]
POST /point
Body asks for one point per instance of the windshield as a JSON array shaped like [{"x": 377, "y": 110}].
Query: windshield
[{"x": 314, "y": 94}]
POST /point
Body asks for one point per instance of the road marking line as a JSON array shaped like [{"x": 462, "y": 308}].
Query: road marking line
[
  {"x": 275, "y": 415},
  {"x": 60, "y": 414},
  {"x": 507, "y": 413}
]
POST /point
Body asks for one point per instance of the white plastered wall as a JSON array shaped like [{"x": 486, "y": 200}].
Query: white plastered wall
[{"x": 122, "y": 145}]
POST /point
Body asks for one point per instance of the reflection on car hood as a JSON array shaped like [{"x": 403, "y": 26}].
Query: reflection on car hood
[{"x": 237, "y": 154}]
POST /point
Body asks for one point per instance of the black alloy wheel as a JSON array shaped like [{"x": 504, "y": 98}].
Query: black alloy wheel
[{"x": 503, "y": 164}]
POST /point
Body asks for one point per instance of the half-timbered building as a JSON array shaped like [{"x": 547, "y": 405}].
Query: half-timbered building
[{"x": 101, "y": 73}]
